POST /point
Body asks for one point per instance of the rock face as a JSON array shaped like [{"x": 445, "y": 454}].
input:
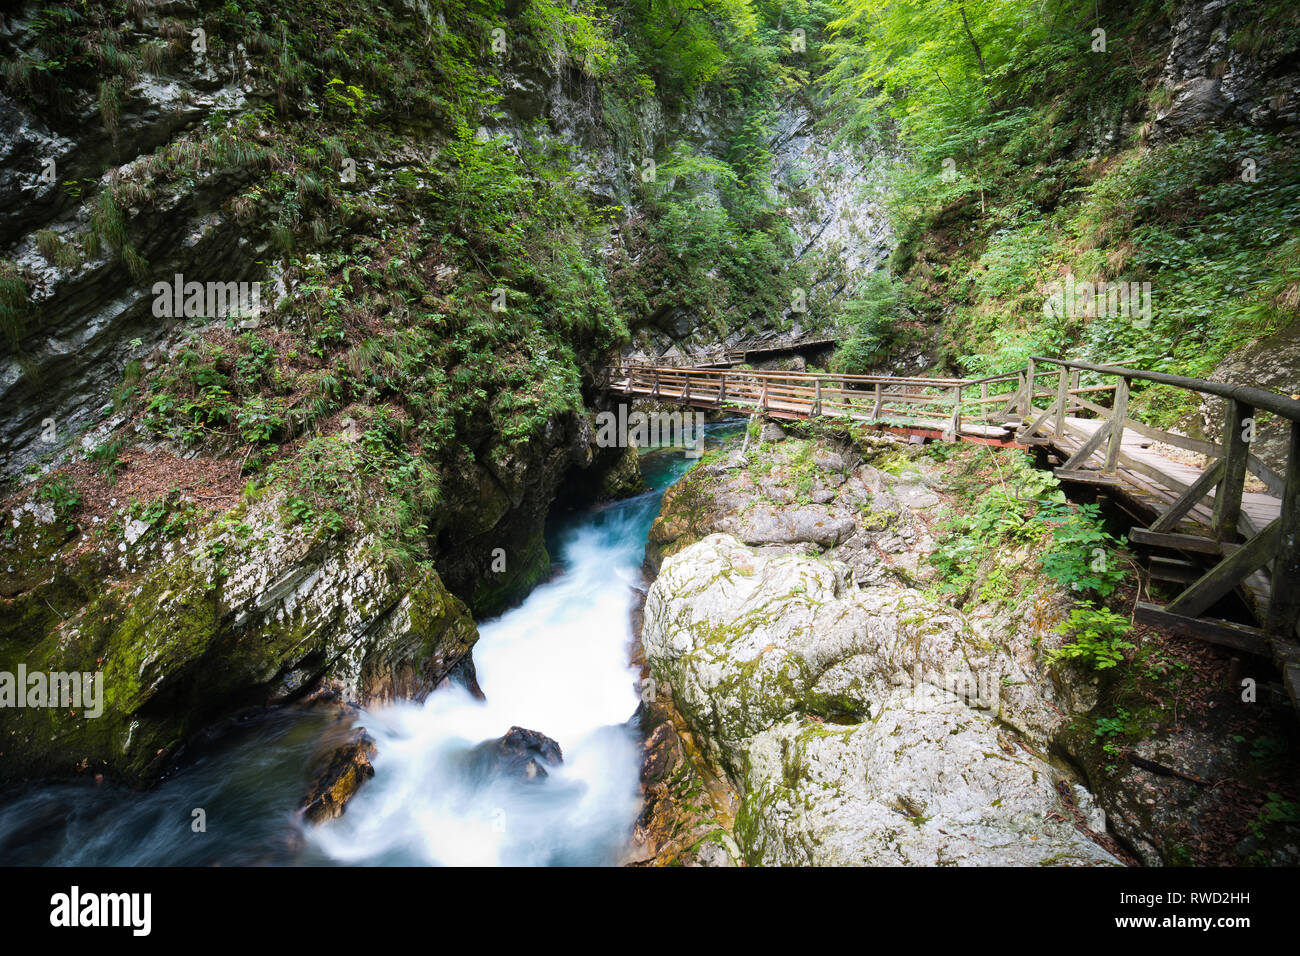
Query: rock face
[
  {"x": 688, "y": 809},
  {"x": 1213, "y": 79},
  {"x": 1270, "y": 363},
  {"x": 840, "y": 211},
  {"x": 246, "y": 613},
  {"x": 861, "y": 726}
]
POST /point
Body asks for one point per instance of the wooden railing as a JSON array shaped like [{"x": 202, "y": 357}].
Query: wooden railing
[
  {"x": 919, "y": 400},
  {"x": 1268, "y": 538}
]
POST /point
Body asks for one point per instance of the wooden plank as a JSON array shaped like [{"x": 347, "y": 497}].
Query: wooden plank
[
  {"x": 1173, "y": 569},
  {"x": 1038, "y": 422},
  {"x": 1225, "y": 575},
  {"x": 1179, "y": 542},
  {"x": 1271, "y": 479},
  {"x": 1088, "y": 477},
  {"x": 1027, "y": 403},
  {"x": 1240, "y": 637},
  {"x": 1154, "y": 471},
  {"x": 1189, "y": 499},
  {"x": 1088, "y": 447},
  {"x": 1201, "y": 447},
  {"x": 1062, "y": 399}
]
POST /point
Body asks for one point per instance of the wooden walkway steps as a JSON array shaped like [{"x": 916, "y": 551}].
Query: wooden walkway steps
[{"x": 1189, "y": 492}]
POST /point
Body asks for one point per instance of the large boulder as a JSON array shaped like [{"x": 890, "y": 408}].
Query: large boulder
[
  {"x": 796, "y": 494},
  {"x": 862, "y": 726},
  {"x": 1272, "y": 363},
  {"x": 520, "y": 755}
]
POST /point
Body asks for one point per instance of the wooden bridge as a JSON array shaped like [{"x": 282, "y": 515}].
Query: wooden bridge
[{"x": 1187, "y": 494}]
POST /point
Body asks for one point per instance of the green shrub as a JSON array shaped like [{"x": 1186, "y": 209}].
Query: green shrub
[
  {"x": 1099, "y": 637},
  {"x": 59, "y": 492}
]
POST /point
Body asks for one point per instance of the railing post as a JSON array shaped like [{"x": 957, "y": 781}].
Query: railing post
[
  {"x": 1027, "y": 404},
  {"x": 875, "y": 412},
  {"x": 686, "y": 387},
  {"x": 1284, "y": 584},
  {"x": 722, "y": 388},
  {"x": 762, "y": 398},
  {"x": 817, "y": 397},
  {"x": 955, "y": 423},
  {"x": 654, "y": 390},
  {"x": 1227, "y": 497},
  {"x": 1062, "y": 398},
  {"x": 1119, "y": 412}
]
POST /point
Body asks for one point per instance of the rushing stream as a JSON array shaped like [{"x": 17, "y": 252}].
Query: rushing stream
[{"x": 557, "y": 664}]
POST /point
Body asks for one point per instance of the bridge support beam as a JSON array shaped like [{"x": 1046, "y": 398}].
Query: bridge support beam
[{"x": 1227, "y": 498}]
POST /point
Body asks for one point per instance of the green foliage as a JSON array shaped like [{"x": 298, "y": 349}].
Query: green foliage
[
  {"x": 15, "y": 304},
  {"x": 109, "y": 456},
  {"x": 60, "y": 493},
  {"x": 687, "y": 45},
  {"x": 1107, "y": 731},
  {"x": 1099, "y": 637},
  {"x": 997, "y": 107},
  {"x": 1022, "y": 509},
  {"x": 1277, "y": 811},
  {"x": 867, "y": 326},
  {"x": 1083, "y": 557}
]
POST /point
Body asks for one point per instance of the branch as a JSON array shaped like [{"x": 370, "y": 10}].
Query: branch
[{"x": 979, "y": 55}]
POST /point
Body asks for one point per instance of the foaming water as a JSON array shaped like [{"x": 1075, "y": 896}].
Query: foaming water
[{"x": 558, "y": 664}]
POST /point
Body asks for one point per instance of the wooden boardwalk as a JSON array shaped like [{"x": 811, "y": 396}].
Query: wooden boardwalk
[{"x": 1188, "y": 492}]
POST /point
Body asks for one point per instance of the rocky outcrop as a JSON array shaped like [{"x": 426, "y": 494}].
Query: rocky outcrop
[
  {"x": 1212, "y": 78},
  {"x": 251, "y": 611},
  {"x": 519, "y": 755},
  {"x": 688, "y": 809},
  {"x": 810, "y": 495},
  {"x": 836, "y": 200},
  {"x": 862, "y": 726},
  {"x": 338, "y": 771},
  {"x": 491, "y": 537},
  {"x": 1271, "y": 363}
]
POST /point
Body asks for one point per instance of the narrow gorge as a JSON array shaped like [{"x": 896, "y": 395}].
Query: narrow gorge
[{"x": 328, "y": 538}]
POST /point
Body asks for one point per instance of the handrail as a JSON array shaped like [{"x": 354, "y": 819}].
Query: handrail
[
  {"x": 1258, "y": 398},
  {"x": 811, "y": 376},
  {"x": 1247, "y": 395}
]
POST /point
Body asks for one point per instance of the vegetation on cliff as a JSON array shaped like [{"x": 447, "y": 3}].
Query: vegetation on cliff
[{"x": 1041, "y": 140}]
